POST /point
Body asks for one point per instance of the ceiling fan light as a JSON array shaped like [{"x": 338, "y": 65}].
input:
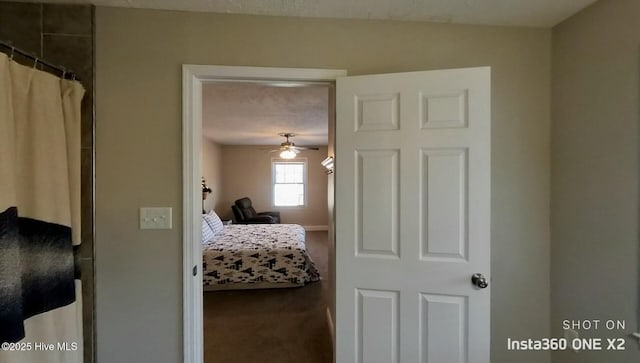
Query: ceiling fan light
[{"x": 287, "y": 154}]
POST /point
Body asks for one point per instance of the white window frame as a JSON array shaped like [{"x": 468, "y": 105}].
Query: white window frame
[{"x": 297, "y": 160}]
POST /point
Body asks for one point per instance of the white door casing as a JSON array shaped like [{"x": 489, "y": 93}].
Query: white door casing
[
  {"x": 193, "y": 77},
  {"x": 413, "y": 217}
]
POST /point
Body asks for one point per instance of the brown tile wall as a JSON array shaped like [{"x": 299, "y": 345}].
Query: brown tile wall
[{"x": 64, "y": 35}]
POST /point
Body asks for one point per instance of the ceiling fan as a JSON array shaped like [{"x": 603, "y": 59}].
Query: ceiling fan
[{"x": 288, "y": 149}]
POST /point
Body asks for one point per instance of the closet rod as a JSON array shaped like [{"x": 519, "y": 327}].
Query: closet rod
[{"x": 65, "y": 73}]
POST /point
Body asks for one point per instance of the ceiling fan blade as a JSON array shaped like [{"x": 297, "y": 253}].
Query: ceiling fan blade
[{"x": 305, "y": 148}]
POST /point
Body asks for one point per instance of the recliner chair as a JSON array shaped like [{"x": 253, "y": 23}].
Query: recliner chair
[{"x": 245, "y": 214}]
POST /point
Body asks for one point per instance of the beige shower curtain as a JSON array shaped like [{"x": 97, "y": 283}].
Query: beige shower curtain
[{"x": 40, "y": 294}]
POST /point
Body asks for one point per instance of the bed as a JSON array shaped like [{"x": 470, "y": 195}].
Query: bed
[{"x": 254, "y": 256}]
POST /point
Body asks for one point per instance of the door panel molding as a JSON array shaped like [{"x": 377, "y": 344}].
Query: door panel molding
[{"x": 413, "y": 213}]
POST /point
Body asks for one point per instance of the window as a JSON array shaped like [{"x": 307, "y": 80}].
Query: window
[{"x": 289, "y": 183}]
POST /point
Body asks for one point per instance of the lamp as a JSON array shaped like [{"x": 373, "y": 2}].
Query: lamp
[
  {"x": 328, "y": 164},
  {"x": 205, "y": 192},
  {"x": 287, "y": 154}
]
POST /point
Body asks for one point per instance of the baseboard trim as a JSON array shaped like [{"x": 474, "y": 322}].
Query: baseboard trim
[
  {"x": 331, "y": 329},
  {"x": 315, "y": 228}
]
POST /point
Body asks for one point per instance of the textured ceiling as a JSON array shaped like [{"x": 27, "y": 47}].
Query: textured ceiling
[
  {"x": 534, "y": 13},
  {"x": 254, "y": 114}
]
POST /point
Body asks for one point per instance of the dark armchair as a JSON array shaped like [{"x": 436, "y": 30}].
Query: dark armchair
[{"x": 245, "y": 214}]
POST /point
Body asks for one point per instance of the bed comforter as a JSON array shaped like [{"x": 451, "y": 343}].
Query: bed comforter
[{"x": 258, "y": 253}]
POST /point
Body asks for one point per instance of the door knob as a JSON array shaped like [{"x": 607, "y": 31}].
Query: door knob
[{"x": 479, "y": 280}]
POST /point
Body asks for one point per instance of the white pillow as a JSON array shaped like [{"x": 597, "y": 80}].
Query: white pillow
[
  {"x": 207, "y": 232},
  {"x": 213, "y": 221}
]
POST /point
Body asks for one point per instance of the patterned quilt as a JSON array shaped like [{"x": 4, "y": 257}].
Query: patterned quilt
[{"x": 258, "y": 253}]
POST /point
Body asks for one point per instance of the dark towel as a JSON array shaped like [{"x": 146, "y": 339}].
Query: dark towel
[{"x": 36, "y": 271}]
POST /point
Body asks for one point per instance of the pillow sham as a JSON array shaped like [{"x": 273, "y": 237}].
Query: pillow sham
[
  {"x": 207, "y": 232},
  {"x": 213, "y": 221}
]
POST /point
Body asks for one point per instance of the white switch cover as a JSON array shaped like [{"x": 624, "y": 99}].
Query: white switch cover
[{"x": 155, "y": 218}]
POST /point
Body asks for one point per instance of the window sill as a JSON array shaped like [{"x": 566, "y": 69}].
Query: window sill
[{"x": 286, "y": 207}]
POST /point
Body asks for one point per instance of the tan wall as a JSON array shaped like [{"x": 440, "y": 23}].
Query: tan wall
[
  {"x": 139, "y": 54},
  {"x": 211, "y": 166},
  {"x": 595, "y": 250},
  {"x": 246, "y": 172}
]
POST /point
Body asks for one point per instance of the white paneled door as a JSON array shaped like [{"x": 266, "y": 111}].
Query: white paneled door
[{"x": 413, "y": 217}]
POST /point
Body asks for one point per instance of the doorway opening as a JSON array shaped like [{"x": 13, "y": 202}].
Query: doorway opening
[{"x": 195, "y": 78}]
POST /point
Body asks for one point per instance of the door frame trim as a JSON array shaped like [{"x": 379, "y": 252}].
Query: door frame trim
[{"x": 193, "y": 77}]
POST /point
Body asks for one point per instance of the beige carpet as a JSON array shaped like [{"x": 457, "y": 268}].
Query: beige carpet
[{"x": 271, "y": 325}]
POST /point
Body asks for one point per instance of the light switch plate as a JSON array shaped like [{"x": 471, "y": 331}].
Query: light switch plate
[{"x": 155, "y": 218}]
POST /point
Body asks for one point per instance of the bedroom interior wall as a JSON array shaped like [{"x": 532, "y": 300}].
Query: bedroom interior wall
[
  {"x": 139, "y": 56},
  {"x": 64, "y": 35},
  {"x": 246, "y": 172},
  {"x": 595, "y": 264},
  {"x": 211, "y": 166}
]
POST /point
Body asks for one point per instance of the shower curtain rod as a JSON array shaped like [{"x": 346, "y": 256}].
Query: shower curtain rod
[{"x": 65, "y": 73}]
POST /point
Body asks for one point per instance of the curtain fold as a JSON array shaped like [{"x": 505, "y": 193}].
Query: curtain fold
[{"x": 40, "y": 302}]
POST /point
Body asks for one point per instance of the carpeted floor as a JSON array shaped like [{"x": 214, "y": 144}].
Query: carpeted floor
[{"x": 271, "y": 325}]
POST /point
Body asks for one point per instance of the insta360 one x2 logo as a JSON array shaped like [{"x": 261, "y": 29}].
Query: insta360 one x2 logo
[{"x": 572, "y": 339}]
